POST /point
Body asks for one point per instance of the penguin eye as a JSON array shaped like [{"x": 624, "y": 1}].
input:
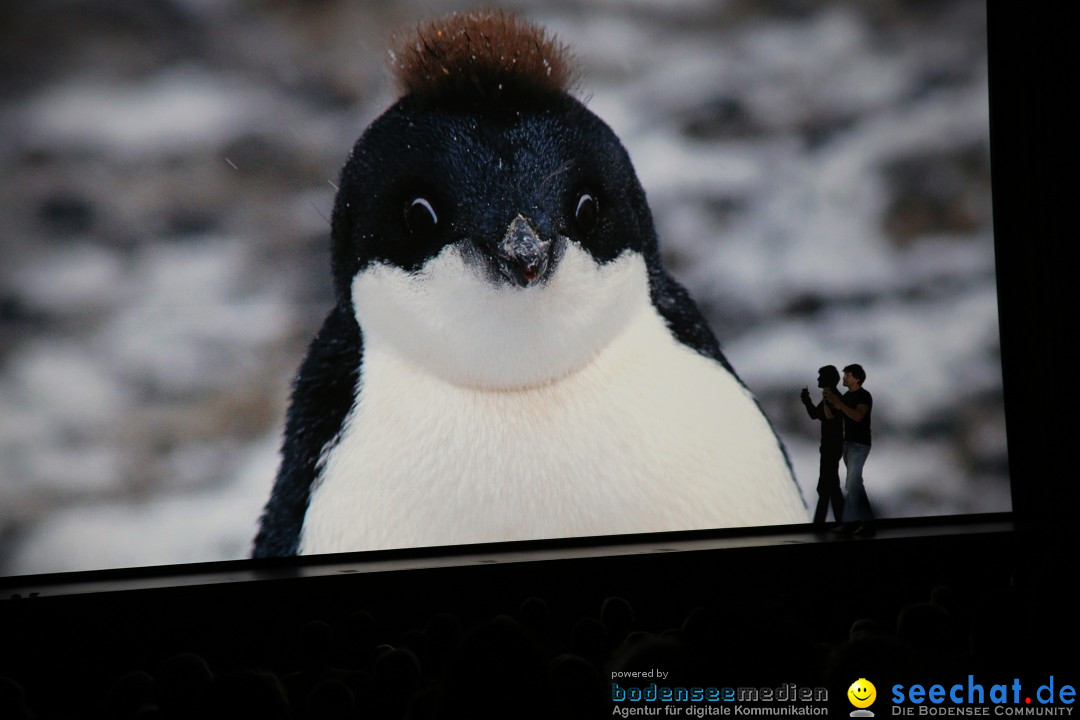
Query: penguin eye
[
  {"x": 420, "y": 216},
  {"x": 586, "y": 213}
]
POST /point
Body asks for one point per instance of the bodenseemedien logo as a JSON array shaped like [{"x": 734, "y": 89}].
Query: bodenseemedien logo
[
  {"x": 714, "y": 701},
  {"x": 862, "y": 694}
]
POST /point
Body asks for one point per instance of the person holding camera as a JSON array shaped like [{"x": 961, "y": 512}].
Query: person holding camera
[{"x": 832, "y": 446}]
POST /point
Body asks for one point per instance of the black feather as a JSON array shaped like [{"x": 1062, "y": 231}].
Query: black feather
[{"x": 323, "y": 393}]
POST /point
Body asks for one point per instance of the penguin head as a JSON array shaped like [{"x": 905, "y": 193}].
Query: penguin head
[{"x": 489, "y": 228}]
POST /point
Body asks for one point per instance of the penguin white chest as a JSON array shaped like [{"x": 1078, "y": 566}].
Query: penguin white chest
[{"x": 607, "y": 425}]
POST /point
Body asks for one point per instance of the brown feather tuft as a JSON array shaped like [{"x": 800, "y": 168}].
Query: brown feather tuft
[{"x": 480, "y": 56}]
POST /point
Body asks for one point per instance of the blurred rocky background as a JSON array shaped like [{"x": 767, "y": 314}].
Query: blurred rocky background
[{"x": 819, "y": 174}]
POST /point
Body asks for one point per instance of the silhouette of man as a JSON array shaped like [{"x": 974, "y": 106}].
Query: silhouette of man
[
  {"x": 832, "y": 446},
  {"x": 856, "y": 406}
]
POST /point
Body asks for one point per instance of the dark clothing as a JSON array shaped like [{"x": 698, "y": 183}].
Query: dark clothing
[
  {"x": 832, "y": 429},
  {"x": 832, "y": 449},
  {"x": 857, "y": 432},
  {"x": 828, "y": 485}
]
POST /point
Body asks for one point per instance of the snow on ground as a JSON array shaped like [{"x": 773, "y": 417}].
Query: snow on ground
[{"x": 217, "y": 523}]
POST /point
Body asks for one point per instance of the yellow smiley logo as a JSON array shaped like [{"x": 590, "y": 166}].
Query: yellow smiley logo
[{"x": 862, "y": 693}]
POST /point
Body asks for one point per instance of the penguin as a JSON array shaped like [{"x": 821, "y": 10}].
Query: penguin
[{"x": 507, "y": 358}]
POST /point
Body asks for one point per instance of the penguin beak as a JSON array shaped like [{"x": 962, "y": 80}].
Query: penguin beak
[{"x": 522, "y": 257}]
